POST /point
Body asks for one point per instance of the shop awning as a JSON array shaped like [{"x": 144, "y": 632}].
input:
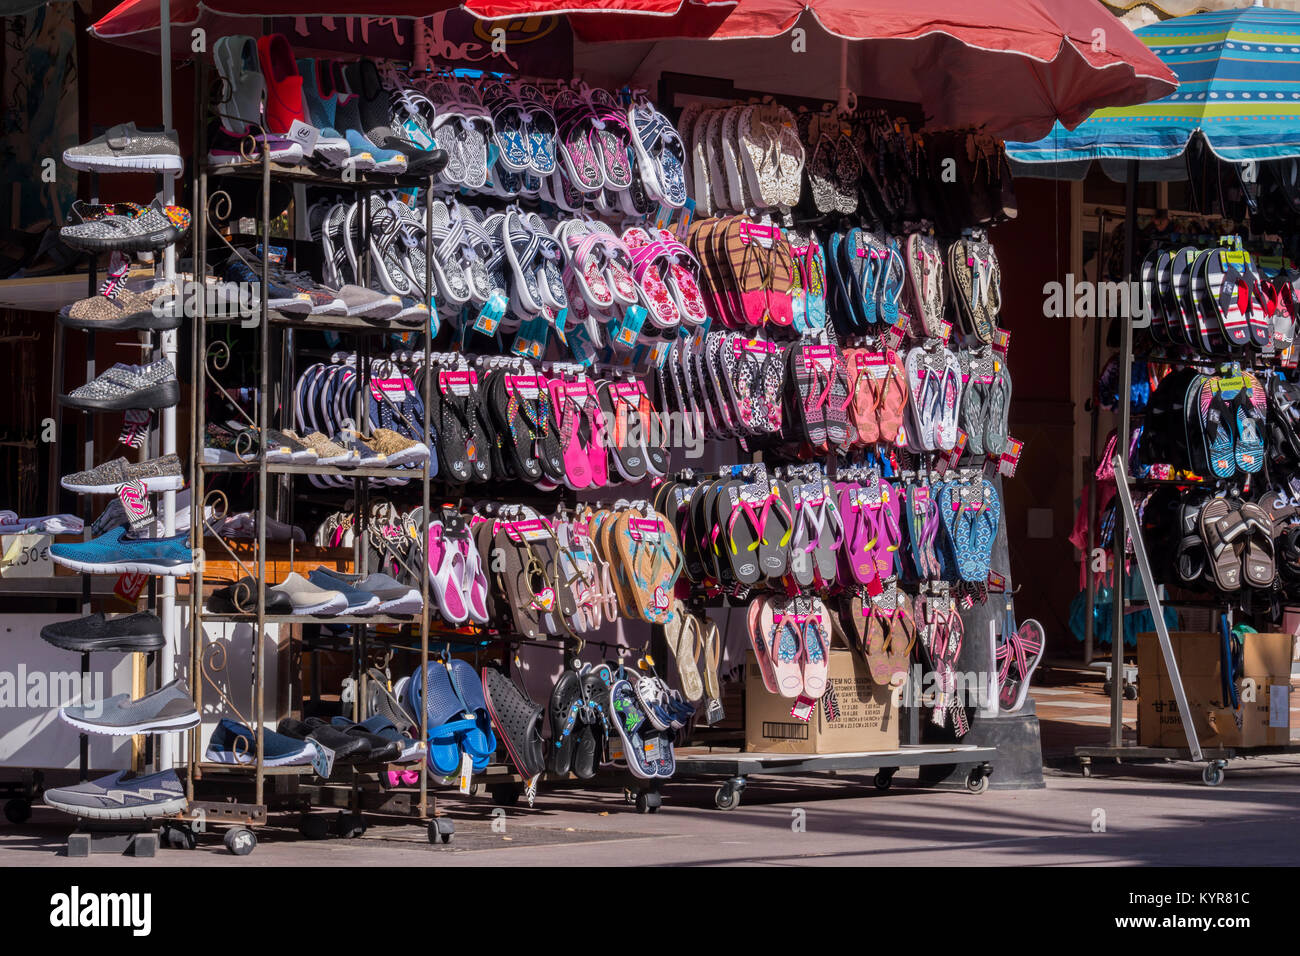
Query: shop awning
[
  {"x": 1013, "y": 66},
  {"x": 1238, "y": 88}
]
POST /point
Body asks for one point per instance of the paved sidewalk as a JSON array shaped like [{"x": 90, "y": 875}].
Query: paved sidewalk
[{"x": 1150, "y": 814}]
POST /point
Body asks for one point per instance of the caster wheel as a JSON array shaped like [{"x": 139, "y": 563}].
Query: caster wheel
[
  {"x": 1212, "y": 775},
  {"x": 977, "y": 782},
  {"x": 240, "y": 841},
  {"x": 1085, "y": 769},
  {"x": 648, "y": 801},
  {"x": 441, "y": 830},
  {"x": 18, "y": 810},
  {"x": 1106, "y": 688},
  {"x": 349, "y": 825},
  {"x": 883, "y": 780},
  {"x": 726, "y": 798},
  {"x": 1130, "y": 692},
  {"x": 505, "y": 796},
  {"x": 314, "y": 826},
  {"x": 177, "y": 837}
]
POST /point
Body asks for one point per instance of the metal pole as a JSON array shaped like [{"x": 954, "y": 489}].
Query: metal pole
[
  {"x": 167, "y": 421},
  {"x": 1089, "y": 637},
  {"x": 1121, "y": 450}
]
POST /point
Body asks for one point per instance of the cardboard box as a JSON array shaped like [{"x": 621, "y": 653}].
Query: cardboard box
[
  {"x": 855, "y": 714},
  {"x": 1263, "y": 688}
]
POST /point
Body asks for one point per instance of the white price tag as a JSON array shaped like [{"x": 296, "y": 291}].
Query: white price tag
[{"x": 304, "y": 135}]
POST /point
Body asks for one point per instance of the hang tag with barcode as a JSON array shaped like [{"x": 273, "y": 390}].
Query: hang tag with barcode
[
  {"x": 135, "y": 502},
  {"x": 135, "y": 427},
  {"x": 466, "y": 772}
]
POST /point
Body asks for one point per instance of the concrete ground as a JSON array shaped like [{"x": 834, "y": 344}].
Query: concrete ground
[{"x": 1130, "y": 815}]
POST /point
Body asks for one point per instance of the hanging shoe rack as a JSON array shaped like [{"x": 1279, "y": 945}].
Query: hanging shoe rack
[{"x": 211, "y": 786}]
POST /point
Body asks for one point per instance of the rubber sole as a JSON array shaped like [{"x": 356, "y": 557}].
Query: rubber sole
[
  {"x": 335, "y": 605},
  {"x": 148, "y": 727},
  {"x": 149, "y": 242},
  {"x": 300, "y": 759},
  {"x": 124, "y": 644},
  {"x": 125, "y": 567},
  {"x": 160, "y": 483},
  {"x": 145, "y": 162},
  {"x": 165, "y": 395},
  {"x": 411, "y": 604},
  {"x": 137, "y": 320},
  {"x": 145, "y": 812}
]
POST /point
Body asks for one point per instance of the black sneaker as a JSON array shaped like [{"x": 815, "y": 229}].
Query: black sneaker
[
  {"x": 129, "y": 632},
  {"x": 347, "y": 749},
  {"x": 375, "y": 107}
]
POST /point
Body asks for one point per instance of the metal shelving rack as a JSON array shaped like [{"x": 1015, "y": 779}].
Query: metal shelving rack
[{"x": 273, "y": 410}]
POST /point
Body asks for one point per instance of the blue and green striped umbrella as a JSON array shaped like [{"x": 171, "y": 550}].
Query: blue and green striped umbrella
[{"x": 1239, "y": 86}]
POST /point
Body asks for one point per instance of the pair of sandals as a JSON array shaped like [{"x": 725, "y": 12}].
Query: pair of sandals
[
  {"x": 639, "y": 546},
  {"x": 1218, "y": 301},
  {"x": 460, "y": 722},
  {"x": 985, "y": 400},
  {"x": 694, "y": 640},
  {"x": 1234, "y": 543},
  {"x": 970, "y": 512},
  {"x": 926, "y": 280},
  {"x": 748, "y": 270},
  {"x": 935, "y": 387},
  {"x": 867, "y": 275},
  {"x": 941, "y": 647},
  {"x": 878, "y": 385},
  {"x": 791, "y": 640},
  {"x": 818, "y": 398},
  {"x": 976, "y": 280},
  {"x": 870, "y": 512},
  {"x": 884, "y": 631},
  {"x": 742, "y": 157},
  {"x": 457, "y": 573}
]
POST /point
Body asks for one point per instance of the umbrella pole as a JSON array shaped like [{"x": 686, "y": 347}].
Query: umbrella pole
[
  {"x": 842, "y": 99},
  {"x": 167, "y": 429},
  {"x": 1121, "y": 449}
]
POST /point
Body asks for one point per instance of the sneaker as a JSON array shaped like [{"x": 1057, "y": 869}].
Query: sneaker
[
  {"x": 236, "y": 59},
  {"x": 233, "y": 743},
  {"x": 327, "y": 452},
  {"x": 115, "y": 307},
  {"x": 412, "y": 311},
  {"x": 127, "y": 386},
  {"x": 323, "y": 301},
  {"x": 369, "y": 303},
  {"x": 321, "y": 105},
  {"x": 282, "y": 298},
  {"x": 394, "y": 596},
  {"x": 170, "y": 707},
  {"x": 158, "y": 474},
  {"x": 367, "y": 457},
  {"x": 283, "y": 84},
  {"x": 117, "y": 551},
  {"x": 227, "y": 446},
  {"x": 374, "y": 107},
  {"x": 227, "y": 150},
  {"x": 359, "y": 602},
  {"x": 308, "y": 598},
  {"x": 121, "y": 796},
  {"x": 127, "y": 147},
  {"x": 156, "y": 228},
  {"x": 94, "y": 632},
  {"x": 241, "y": 598},
  {"x": 397, "y": 449},
  {"x": 364, "y": 150}
]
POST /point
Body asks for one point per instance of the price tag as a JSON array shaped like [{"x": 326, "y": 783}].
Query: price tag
[
  {"x": 580, "y": 345},
  {"x": 304, "y": 135},
  {"x": 633, "y": 318},
  {"x": 135, "y": 427},
  {"x": 135, "y": 502},
  {"x": 26, "y": 556},
  {"x": 129, "y": 586},
  {"x": 530, "y": 340},
  {"x": 466, "y": 772},
  {"x": 322, "y": 758},
  {"x": 489, "y": 317},
  {"x": 803, "y": 708},
  {"x": 1010, "y": 457}
]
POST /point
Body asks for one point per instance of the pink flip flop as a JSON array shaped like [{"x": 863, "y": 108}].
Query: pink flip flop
[
  {"x": 447, "y": 575},
  {"x": 816, "y": 648},
  {"x": 786, "y": 646},
  {"x": 760, "y": 626}
]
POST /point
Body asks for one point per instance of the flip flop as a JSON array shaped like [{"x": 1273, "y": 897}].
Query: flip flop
[{"x": 760, "y": 627}]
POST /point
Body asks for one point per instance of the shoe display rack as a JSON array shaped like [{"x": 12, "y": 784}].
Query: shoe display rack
[
  {"x": 98, "y": 837},
  {"x": 1130, "y": 527},
  {"x": 238, "y": 795}
]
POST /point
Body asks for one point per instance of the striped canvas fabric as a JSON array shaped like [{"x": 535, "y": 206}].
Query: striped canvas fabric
[{"x": 1239, "y": 85}]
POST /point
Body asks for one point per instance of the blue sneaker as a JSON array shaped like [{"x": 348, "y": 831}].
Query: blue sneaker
[
  {"x": 322, "y": 105},
  {"x": 359, "y": 601},
  {"x": 117, "y": 551},
  {"x": 283, "y": 298},
  {"x": 234, "y": 743},
  {"x": 121, "y": 796}
]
